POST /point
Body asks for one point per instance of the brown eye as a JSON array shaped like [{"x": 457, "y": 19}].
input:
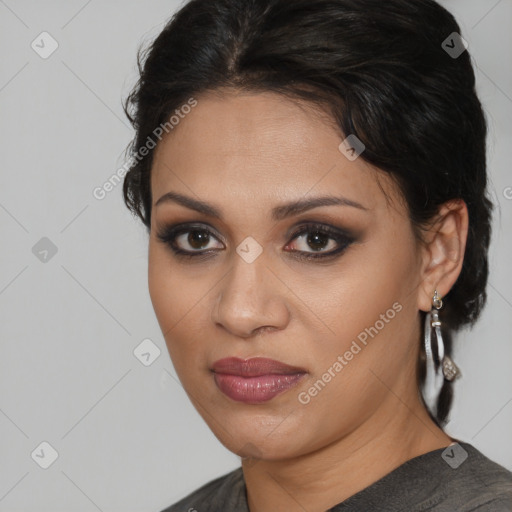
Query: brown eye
[
  {"x": 197, "y": 239},
  {"x": 187, "y": 240},
  {"x": 319, "y": 241},
  {"x": 314, "y": 241}
]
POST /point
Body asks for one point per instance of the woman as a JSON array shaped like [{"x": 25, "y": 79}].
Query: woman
[{"x": 312, "y": 177}]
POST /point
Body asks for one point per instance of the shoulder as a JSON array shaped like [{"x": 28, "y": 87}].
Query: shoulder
[
  {"x": 224, "y": 493},
  {"x": 457, "y": 478},
  {"x": 481, "y": 484},
  {"x": 462, "y": 478}
]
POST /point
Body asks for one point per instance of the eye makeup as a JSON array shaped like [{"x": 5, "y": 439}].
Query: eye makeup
[{"x": 175, "y": 237}]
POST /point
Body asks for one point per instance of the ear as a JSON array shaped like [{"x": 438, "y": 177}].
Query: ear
[{"x": 443, "y": 251}]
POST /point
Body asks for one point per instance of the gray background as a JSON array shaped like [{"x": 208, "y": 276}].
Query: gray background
[{"x": 126, "y": 436}]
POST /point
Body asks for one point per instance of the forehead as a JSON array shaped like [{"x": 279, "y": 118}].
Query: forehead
[{"x": 260, "y": 147}]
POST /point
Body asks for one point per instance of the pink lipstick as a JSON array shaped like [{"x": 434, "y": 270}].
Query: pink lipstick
[{"x": 255, "y": 380}]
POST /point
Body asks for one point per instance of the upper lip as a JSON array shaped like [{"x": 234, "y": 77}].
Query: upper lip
[{"x": 253, "y": 367}]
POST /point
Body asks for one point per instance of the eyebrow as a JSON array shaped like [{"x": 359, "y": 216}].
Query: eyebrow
[{"x": 277, "y": 213}]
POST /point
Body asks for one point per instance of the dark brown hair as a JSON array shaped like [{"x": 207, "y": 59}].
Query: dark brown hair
[{"x": 381, "y": 71}]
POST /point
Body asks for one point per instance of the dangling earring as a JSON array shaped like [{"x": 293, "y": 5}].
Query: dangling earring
[{"x": 440, "y": 367}]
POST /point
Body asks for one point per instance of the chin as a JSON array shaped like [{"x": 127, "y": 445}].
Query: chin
[{"x": 261, "y": 436}]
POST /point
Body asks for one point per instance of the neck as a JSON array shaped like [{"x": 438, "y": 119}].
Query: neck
[{"x": 322, "y": 479}]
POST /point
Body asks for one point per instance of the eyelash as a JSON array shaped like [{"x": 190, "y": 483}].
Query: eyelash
[{"x": 169, "y": 234}]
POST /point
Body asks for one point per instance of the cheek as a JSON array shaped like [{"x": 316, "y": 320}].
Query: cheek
[
  {"x": 171, "y": 288},
  {"x": 160, "y": 284},
  {"x": 163, "y": 281},
  {"x": 368, "y": 308},
  {"x": 176, "y": 299}
]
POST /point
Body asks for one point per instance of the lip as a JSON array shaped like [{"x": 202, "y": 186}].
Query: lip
[
  {"x": 255, "y": 380},
  {"x": 254, "y": 367}
]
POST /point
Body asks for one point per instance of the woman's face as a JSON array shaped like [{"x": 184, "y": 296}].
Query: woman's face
[{"x": 345, "y": 321}]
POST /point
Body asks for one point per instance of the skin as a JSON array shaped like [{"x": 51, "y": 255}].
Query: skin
[{"x": 246, "y": 154}]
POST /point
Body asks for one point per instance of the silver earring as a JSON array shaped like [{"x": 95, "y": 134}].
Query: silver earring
[{"x": 437, "y": 368}]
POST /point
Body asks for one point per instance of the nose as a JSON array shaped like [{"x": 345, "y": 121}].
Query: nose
[{"x": 251, "y": 300}]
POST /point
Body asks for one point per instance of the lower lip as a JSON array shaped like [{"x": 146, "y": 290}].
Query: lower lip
[{"x": 255, "y": 390}]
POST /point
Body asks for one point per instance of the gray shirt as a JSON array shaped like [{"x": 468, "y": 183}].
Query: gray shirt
[{"x": 454, "y": 479}]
